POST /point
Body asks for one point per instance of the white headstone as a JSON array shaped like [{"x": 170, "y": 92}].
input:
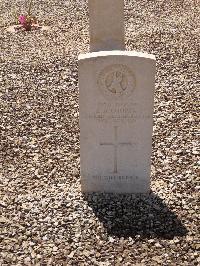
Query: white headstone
[
  {"x": 116, "y": 121},
  {"x": 106, "y": 25}
]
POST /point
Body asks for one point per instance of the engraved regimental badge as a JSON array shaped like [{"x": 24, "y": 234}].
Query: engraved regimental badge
[{"x": 116, "y": 81}]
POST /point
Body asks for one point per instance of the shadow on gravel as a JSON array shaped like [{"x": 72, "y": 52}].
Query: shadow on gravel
[{"x": 130, "y": 216}]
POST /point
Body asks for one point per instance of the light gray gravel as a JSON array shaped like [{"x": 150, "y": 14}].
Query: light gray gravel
[{"x": 45, "y": 220}]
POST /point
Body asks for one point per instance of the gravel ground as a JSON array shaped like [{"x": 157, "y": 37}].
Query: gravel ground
[{"x": 45, "y": 220}]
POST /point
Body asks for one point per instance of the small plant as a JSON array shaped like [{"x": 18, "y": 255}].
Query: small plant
[{"x": 27, "y": 21}]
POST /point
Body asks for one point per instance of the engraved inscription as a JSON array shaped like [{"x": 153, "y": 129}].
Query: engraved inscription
[
  {"x": 111, "y": 178},
  {"x": 116, "y": 81},
  {"x": 121, "y": 112},
  {"x": 116, "y": 146}
]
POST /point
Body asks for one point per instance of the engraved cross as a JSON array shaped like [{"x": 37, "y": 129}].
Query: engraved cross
[{"x": 115, "y": 145}]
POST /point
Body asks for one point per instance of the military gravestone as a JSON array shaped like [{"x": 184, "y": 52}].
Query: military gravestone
[{"x": 116, "y": 116}]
